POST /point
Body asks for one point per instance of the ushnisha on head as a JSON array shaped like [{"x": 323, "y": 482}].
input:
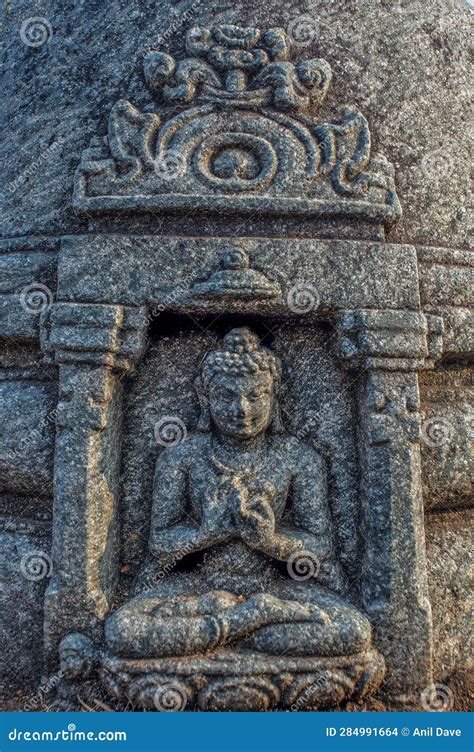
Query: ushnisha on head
[{"x": 240, "y": 383}]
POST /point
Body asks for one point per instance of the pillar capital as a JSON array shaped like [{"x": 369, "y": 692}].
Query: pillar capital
[
  {"x": 94, "y": 334},
  {"x": 389, "y": 340}
]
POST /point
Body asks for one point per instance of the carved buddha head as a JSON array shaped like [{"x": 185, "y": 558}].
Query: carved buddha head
[{"x": 239, "y": 384}]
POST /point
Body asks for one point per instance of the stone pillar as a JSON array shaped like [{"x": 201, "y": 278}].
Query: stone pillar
[
  {"x": 93, "y": 345},
  {"x": 386, "y": 349}
]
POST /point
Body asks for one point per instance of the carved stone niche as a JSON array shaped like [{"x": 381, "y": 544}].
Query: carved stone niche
[
  {"x": 238, "y": 518},
  {"x": 286, "y": 536}
]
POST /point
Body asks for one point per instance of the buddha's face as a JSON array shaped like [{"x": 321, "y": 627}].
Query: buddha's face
[{"x": 241, "y": 406}]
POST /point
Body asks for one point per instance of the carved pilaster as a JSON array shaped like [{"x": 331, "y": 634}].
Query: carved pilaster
[
  {"x": 93, "y": 346},
  {"x": 387, "y": 348},
  {"x": 94, "y": 334}
]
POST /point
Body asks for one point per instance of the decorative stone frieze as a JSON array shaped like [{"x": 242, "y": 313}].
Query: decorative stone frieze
[{"x": 243, "y": 142}]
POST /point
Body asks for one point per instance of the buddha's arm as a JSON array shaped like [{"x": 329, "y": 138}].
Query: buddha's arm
[
  {"x": 289, "y": 540},
  {"x": 173, "y": 531},
  {"x": 184, "y": 539},
  {"x": 311, "y": 530}
]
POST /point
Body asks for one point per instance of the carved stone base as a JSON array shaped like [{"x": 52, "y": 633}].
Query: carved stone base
[{"x": 229, "y": 681}]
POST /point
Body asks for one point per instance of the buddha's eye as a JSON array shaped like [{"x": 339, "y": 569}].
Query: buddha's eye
[
  {"x": 254, "y": 396},
  {"x": 226, "y": 397}
]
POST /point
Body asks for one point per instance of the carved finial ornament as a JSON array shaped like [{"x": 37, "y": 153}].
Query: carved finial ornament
[{"x": 245, "y": 139}]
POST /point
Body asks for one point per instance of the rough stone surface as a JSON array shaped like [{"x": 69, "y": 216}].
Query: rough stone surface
[
  {"x": 404, "y": 64},
  {"x": 25, "y": 572},
  {"x": 450, "y": 576},
  {"x": 447, "y": 447},
  {"x": 236, "y": 380}
]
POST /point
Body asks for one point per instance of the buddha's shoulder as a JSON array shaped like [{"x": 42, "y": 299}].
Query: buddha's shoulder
[
  {"x": 185, "y": 452},
  {"x": 296, "y": 451}
]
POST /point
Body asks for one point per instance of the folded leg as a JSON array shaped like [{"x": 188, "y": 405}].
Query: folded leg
[
  {"x": 148, "y": 627},
  {"x": 332, "y": 626}
]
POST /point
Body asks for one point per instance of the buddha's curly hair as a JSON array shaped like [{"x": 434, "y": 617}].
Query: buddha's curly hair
[{"x": 241, "y": 355}]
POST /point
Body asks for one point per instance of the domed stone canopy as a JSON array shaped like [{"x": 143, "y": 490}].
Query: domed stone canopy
[{"x": 403, "y": 63}]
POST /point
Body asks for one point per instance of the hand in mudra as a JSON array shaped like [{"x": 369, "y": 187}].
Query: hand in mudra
[{"x": 253, "y": 513}]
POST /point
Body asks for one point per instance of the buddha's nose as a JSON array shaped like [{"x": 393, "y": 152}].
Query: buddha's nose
[{"x": 240, "y": 407}]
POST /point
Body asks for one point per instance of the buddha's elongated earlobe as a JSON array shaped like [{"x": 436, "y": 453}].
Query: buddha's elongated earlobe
[
  {"x": 276, "y": 425},
  {"x": 204, "y": 422}
]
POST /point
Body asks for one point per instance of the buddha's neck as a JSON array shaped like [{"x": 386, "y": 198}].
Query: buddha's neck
[{"x": 235, "y": 447}]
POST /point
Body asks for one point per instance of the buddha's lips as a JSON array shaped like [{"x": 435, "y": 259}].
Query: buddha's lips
[{"x": 240, "y": 423}]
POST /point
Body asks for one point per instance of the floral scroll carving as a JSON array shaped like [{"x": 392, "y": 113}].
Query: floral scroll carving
[
  {"x": 233, "y": 66},
  {"x": 245, "y": 139}
]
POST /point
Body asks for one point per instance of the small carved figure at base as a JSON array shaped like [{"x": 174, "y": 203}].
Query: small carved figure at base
[{"x": 77, "y": 660}]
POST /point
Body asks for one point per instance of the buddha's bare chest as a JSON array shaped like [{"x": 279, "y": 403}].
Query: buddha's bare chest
[{"x": 217, "y": 491}]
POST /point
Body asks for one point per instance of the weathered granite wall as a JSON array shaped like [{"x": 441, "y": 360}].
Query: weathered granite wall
[{"x": 405, "y": 65}]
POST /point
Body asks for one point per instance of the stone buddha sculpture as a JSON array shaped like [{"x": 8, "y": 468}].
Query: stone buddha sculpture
[{"x": 247, "y": 504}]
